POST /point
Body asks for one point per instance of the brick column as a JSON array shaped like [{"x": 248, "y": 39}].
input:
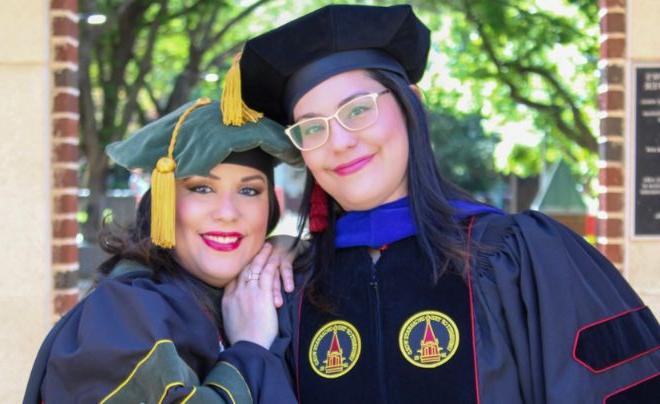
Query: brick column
[
  {"x": 65, "y": 124},
  {"x": 611, "y": 100}
]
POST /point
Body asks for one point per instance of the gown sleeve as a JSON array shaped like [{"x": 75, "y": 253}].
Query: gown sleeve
[
  {"x": 134, "y": 340},
  {"x": 555, "y": 321}
]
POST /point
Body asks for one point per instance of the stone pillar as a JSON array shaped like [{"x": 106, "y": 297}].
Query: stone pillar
[
  {"x": 25, "y": 185},
  {"x": 65, "y": 117}
]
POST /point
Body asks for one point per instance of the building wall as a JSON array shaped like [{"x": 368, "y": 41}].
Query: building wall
[
  {"x": 642, "y": 259},
  {"x": 25, "y": 182},
  {"x": 629, "y": 35}
]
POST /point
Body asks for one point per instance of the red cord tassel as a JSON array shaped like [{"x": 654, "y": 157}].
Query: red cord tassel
[{"x": 318, "y": 212}]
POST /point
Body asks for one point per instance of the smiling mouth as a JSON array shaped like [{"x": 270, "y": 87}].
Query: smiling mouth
[
  {"x": 222, "y": 241},
  {"x": 353, "y": 166}
]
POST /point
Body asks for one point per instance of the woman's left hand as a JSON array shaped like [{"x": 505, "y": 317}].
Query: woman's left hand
[
  {"x": 279, "y": 260},
  {"x": 248, "y": 312}
]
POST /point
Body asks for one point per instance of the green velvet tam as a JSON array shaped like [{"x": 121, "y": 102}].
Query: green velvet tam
[{"x": 202, "y": 143}]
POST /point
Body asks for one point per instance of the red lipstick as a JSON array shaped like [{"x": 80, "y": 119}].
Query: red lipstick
[
  {"x": 222, "y": 241},
  {"x": 353, "y": 165}
]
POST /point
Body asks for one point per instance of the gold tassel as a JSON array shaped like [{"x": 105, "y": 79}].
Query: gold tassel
[
  {"x": 163, "y": 196},
  {"x": 162, "y": 203},
  {"x": 234, "y": 110}
]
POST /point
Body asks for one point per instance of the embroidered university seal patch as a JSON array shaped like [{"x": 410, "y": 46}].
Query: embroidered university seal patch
[
  {"x": 428, "y": 339},
  {"x": 335, "y": 349}
]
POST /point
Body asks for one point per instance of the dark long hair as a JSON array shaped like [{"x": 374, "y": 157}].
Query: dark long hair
[
  {"x": 439, "y": 236},
  {"x": 133, "y": 242}
]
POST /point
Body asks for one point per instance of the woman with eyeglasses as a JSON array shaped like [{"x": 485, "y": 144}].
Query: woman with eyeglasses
[
  {"x": 185, "y": 311},
  {"x": 412, "y": 292}
]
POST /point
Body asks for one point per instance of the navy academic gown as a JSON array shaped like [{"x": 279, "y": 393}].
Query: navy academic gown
[
  {"x": 136, "y": 340},
  {"x": 542, "y": 318}
]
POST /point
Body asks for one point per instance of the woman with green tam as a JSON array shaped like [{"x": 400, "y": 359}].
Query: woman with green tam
[{"x": 181, "y": 315}]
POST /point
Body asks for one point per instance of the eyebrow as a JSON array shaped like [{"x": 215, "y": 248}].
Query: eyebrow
[
  {"x": 339, "y": 105},
  {"x": 253, "y": 177},
  {"x": 244, "y": 179}
]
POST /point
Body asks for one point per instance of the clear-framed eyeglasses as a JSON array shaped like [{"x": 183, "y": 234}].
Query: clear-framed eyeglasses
[{"x": 357, "y": 114}]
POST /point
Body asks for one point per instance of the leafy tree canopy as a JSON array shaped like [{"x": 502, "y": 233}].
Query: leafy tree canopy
[{"x": 528, "y": 67}]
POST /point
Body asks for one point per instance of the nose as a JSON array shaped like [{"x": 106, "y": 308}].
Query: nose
[
  {"x": 340, "y": 137},
  {"x": 225, "y": 209}
]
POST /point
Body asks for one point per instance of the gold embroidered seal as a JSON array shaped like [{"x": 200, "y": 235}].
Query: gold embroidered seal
[
  {"x": 428, "y": 339},
  {"x": 335, "y": 349}
]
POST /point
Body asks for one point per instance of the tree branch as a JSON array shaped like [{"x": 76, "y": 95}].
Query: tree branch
[
  {"x": 186, "y": 10},
  {"x": 125, "y": 6},
  {"x": 205, "y": 41},
  {"x": 579, "y": 133},
  {"x": 150, "y": 93},
  {"x": 187, "y": 79},
  {"x": 583, "y": 131},
  {"x": 552, "y": 20},
  {"x": 218, "y": 59},
  {"x": 246, "y": 12},
  {"x": 122, "y": 44},
  {"x": 143, "y": 68}
]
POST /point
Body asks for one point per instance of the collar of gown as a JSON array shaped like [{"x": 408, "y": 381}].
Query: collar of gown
[{"x": 392, "y": 222}]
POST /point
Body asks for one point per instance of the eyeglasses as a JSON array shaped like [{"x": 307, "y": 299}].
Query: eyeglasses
[{"x": 357, "y": 114}]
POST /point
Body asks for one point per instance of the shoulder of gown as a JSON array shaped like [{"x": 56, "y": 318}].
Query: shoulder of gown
[
  {"x": 134, "y": 339},
  {"x": 568, "y": 318}
]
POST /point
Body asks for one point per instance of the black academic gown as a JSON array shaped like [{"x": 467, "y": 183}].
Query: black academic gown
[
  {"x": 135, "y": 340},
  {"x": 542, "y": 318},
  {"x": 555, "y": 321}
]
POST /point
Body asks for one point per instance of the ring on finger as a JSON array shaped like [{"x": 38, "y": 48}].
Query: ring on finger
[{"x": 251, "y": 276}]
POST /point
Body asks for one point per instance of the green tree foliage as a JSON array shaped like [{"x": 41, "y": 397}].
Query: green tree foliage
[
  {"x": 464, "y": 152},
  {"x": 516, "y": 61}
]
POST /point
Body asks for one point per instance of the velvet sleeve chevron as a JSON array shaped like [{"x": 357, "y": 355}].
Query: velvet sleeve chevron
[
  {"x": 135, "y": 340},
  {"x": 555, "y": 321}
]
